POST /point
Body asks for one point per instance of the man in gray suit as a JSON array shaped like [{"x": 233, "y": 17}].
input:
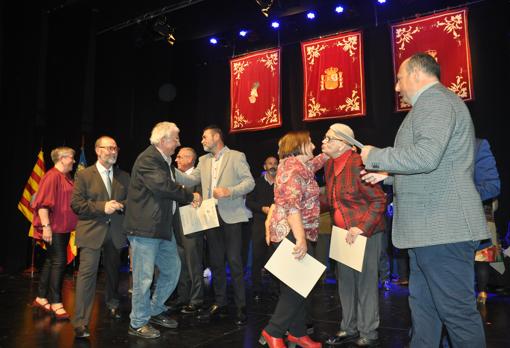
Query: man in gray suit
[
  {"x": 225, "y": 176},
  {"x": 99, "y": 197},
  {"x": 437, "y": 211}
]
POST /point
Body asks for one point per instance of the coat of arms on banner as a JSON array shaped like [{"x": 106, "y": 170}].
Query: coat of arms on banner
[
  {"x": 334, "y": 85},
  {"x": 255, "y": 91}
]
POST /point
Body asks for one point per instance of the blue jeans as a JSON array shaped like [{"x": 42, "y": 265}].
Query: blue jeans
[
  {"x": 441, "y": 292},
  {"x": 147, "y": 253}
]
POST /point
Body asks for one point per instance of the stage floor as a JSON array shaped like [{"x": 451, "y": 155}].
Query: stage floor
[{"x": 22, "y": 326}]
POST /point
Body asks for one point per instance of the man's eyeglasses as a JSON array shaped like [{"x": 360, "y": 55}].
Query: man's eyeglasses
[
  {"x": 327, "y": 139},
  {"x": 111, "y": 148}
]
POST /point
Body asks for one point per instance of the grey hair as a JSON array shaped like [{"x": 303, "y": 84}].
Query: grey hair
[{"x": 163, "y": 130}]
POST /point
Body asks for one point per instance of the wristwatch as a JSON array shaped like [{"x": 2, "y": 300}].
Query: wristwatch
[{"x": 47, "y": 225}]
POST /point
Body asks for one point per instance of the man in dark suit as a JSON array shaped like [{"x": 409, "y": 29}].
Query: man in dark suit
[
  {"x": 151, "y": 214},
  {"x": 259, "y": 201},
  {"x": 99, "y": 198}
]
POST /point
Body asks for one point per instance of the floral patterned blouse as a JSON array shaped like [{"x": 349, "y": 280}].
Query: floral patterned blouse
[{"x": 296, "y": 190}]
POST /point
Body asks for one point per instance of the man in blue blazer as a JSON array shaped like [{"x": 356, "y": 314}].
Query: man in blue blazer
[
  {"x": 438, "y": 213},
  {"x": 225, "y": 176}
]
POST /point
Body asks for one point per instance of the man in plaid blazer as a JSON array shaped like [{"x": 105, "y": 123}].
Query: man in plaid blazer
[{"x": 437, "y": 211}]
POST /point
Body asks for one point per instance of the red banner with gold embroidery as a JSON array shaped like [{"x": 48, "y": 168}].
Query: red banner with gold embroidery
[
  {"x": 445, "y": 37},
  {"x": 334, "y": 82},
  {"x": 255, "y": 91}
]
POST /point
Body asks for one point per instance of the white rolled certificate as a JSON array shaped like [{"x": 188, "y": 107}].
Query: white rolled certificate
[{"x": 199, "y": 219}]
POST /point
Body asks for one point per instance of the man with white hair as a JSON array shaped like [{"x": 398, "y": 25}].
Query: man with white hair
[{"x": 150, "y": 216}]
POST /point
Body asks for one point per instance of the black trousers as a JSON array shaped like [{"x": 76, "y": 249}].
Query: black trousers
[
  {"x": 290, "y": 312},
  {"x": 224, "y": 242},
  {"x": 191, "y": 280},
  {"x": 87, "y": 276},
  {"x": 260, "y": 252},
  {"x": 52, "y": 273}
]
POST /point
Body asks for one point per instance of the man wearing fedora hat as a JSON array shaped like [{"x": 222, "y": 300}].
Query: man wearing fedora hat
[{"x": 359, "y": 208}]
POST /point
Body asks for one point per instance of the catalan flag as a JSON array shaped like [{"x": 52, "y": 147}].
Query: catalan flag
[{"x": 30, "y": 190}]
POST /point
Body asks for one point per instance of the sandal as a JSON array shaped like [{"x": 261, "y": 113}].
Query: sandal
[
  {"x": 41, "y": 303},
  {"x": 59, "y": 312}
]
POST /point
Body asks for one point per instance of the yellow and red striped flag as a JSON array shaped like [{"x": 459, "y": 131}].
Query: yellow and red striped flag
[{"x": 30, "y": 190}]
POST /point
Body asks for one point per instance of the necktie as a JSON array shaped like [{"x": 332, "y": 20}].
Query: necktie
[{"x": 108, "y": 183}]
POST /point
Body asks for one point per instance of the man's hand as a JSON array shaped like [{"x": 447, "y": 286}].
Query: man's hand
[
  {"x": 221, "y": 192},
  {"x": 267, "y": 224},
  {"x": 47, "y": 234},
  {"x": 373, "y": 177},
  {"x": 112, "y": 206},
  {"x": 364, "y": 153},
  {"x": 197, "y": 200},
  {"x": 265, "y": 210},
  {"x": 352, "y": 235}
]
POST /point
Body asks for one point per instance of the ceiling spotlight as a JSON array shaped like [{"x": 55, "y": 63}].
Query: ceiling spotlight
[
  {"x": 162, "y": 28},
  {"x": 265, "y": 6},
  {"x": 381, "y": 1},
  {"x": 310, "y": 15},
  {"x": 275, "y": 24},
  {"x": 339, "y": 9},
  {"x": 243, "y": 33},
  {"x": 213, "y": 40}
]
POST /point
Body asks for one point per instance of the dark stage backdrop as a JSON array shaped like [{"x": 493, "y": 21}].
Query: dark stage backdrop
[{"x": 132, "y": 82}]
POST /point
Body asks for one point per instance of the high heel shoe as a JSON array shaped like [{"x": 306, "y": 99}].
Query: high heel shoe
[
  {"x": 43, "y": 306},
  {"x": 60, "y": 316},
  {"x": 482, "y": 297},
  {"x": 271, "y": 341},
  {"x": 303, "y": 342}
]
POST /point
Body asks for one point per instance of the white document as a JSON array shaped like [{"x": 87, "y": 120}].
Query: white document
[
  {"x": 506, "y": 252},
  {"x": 351, "y": 255},
  {"x": 199, "y": 219},
  {"x": 300, "y": 275},
  {"x": 498, "y": 266}
]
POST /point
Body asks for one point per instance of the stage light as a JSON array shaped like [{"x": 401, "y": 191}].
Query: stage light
[
  {"x": 265, "y": 6},
  {"x": 243, "y": 33},
  {"x": 339, "y": 9},
  {"x": 213, "y": 40},
  {"x": 381, "y": 1},
  {"x": 162, "y": 28},
  {"x": 310, "y": 15},
  {"x": 275, "y": 24}
]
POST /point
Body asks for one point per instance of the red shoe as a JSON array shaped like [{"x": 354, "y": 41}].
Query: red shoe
[
  {"x": 303, "y": 342},
  {"x": 44, "y": 306},
  {"x": 63, "y": 315},
  {"x": 271, "y": 341}
]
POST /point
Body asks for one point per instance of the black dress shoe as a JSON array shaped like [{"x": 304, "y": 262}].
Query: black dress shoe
[
  {"x": 241, "y": 316},
  {"x": 114, "y": 313},
  {"x": 164, "y": 320},
  {"x": 146, "y": 331},
  {"x": 81, "y": 332},
  {"x": 190, "y": 309},
  {"x": 213, "y": 312},
  {"x": 176, "y": 306},
  {"x": 341, "y": 337},
  {"x": 366, "y": 342}
]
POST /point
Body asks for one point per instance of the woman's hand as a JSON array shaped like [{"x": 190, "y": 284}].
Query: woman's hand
[
  {"x": 267, "y": 224},
  {"x": 300, "y": 249},
  {"x": 47, "y": 234}
]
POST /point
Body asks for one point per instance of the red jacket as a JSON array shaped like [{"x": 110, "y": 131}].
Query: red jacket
[{"x": 361, "y": 204}]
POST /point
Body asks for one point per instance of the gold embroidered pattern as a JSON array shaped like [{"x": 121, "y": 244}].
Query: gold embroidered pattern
[
  {"x": 270, "y": 61},
  {"x": 314, "y": 108},
  {"x": 348, "y": 44},
  {"x": 239, "y": 68},
  {"x": 451, "y": 25},
  {"x": 352, "y": 103},
  {"x": 239, "y": 119},
  {"x": 459, "y": 87},
  {"x": 405, "y": 35},
  {"x": 313, "y": 52},
  {"x": 271, "y": 116}
]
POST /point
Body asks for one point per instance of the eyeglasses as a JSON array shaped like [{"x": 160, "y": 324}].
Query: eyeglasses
[
  {"x": 111, "y": 148},
  {"x": 327, "y": 139}
]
